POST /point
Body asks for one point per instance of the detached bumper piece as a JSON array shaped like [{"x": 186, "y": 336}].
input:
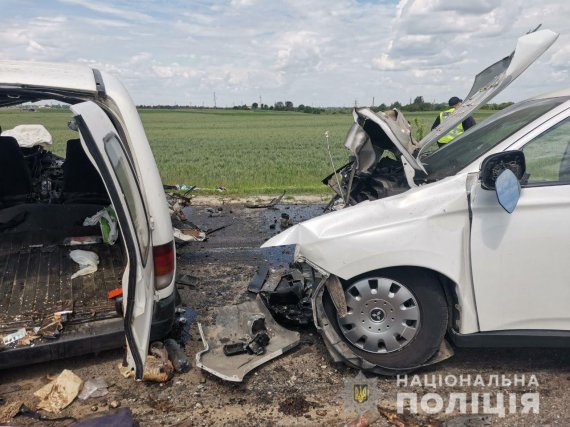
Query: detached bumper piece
[{"x": 244, "y": 337}]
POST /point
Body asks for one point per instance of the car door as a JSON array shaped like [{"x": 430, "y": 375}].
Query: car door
[
  {"x": 521, "y": 261},
  {"x": 104, "y": 148}
]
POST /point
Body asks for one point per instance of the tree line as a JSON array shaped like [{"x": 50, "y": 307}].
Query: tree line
[{"x": 418, "y": 104}]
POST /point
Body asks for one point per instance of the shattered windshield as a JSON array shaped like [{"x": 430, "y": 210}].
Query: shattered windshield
[{"x": 467, "y": 148}]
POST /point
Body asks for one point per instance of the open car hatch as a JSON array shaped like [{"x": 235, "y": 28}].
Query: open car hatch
[{"x": 493, "y": 79}]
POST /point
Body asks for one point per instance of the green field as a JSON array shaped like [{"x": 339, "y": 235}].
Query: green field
[{"x": 247, "y": 152}]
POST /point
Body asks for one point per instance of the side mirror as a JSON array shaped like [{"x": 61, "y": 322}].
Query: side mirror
[{"x": 503, "y": 172}]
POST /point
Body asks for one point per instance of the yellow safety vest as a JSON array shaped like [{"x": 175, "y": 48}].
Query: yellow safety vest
[{"x": 453, "y": 133}]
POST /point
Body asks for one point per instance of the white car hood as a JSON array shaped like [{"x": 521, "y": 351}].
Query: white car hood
[
  {"x": 492, "y": 80},
  {"x": 423, "y": 225}
]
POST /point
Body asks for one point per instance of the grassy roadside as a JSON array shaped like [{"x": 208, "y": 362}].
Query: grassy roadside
[{"x": 246, "y": 152}]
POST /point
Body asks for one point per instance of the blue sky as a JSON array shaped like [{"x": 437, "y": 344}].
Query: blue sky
[{"x": 315, "y": 52}]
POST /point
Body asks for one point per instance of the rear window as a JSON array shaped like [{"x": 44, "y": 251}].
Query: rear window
[{"x": 124, "y": 173}]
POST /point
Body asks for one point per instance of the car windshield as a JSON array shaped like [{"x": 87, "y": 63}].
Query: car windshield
[{"x": 479, "y": 139}]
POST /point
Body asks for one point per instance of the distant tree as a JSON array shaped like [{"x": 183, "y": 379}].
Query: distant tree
[
  {"x": 255, "y": 106},
  {"x": 289, "y": 106},
  {"x": 396, "y": 105},
  {"x": 271, "y": 107},
  {"x": 279, "y": 106},
  {"x": 301, "y": 107}
]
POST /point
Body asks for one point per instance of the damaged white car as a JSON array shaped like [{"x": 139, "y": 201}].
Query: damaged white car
[
  {"x": 466, "y": 242},
  {"x": 49, "y": 217}
]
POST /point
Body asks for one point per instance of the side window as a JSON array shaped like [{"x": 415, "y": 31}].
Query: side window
[
  {"x": 548, "y": 156},
  {"x": 123, "y": 171}
]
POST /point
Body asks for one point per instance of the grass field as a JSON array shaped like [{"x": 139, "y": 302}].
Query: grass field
[{"x": 247, "y": 152}]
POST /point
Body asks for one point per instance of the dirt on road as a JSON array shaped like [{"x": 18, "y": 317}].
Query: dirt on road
[{"x": 303, "y": 387}]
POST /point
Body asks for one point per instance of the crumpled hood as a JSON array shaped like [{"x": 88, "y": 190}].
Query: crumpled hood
[{"x": 424, "y": 223}]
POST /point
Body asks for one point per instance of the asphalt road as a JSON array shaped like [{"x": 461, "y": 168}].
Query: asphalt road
[{"x": 303, "y": 387}]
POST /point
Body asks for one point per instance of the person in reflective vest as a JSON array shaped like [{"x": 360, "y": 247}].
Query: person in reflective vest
[{"x": 454, "y": 102}]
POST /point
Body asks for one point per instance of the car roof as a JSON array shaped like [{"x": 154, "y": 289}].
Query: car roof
[
  {"x": 554, "y": 94},
  {"x": 75, "y": 77}
]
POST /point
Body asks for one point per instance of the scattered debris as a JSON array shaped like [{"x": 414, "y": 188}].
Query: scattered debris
[
  {"x": 51, "y": 327},
  {"x": 288, "y": 296},
  {"x": 271, "y": 204},
  {"x": 257, "y": 344},
  {"x": 189, "y": 234},
  {"x": 9, "y": 410},
  {"x": 107, "y": 220},
  {"x": 210, "y": 232},
  {"x": 236, "y": 323},
  {"x": 177, "y": 356},
  {"x": 15, "y": 336},
  {"x": 366, "y": 419},
  {"x": 286, "y": 221},
  {"x": 82, "y": 240},
  {"x": 157, "y": 367},
  {"x": 59, "y": 393},
  {"x": 186, "y": 280},
  {"x": 122, "y": 417},
  {"x": 114, "y": 404},
  {"x": 36, "y": 415},
  {"x": 87, "y": 260},
  {"x": 258, "y": 279},
  {"x": 94, "y": 387}
]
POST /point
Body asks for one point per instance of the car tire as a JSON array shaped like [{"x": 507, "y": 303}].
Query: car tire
[{"x": 433, "y": 319}]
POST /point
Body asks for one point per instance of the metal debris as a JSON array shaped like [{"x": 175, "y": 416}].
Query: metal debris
[
  {"x": 270, "y": 204},
  {"x": 234, "y": 324}
]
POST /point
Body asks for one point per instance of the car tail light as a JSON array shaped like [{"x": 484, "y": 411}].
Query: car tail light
[{"x": 163, "y": 265}]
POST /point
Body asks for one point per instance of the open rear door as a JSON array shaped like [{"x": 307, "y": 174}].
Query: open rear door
[{"x": 104, "y": 148}]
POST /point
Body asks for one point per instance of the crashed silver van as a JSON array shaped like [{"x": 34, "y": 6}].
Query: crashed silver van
[
  {"x": 466, "y": 242},
  {"x": 48, "y": 311}
]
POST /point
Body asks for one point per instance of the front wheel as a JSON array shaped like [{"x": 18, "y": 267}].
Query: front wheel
[{"x": 396, "y": 317}]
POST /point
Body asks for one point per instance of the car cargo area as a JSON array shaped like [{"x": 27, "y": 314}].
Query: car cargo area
[
  {"x": 44, "y": 201},
  {"x": 36, "y": 269}
]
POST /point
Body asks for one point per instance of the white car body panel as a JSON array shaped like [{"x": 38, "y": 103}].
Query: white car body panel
[
  {"x": 46, "y": 74},
  {"x": 520, "y": 261},
  {"x": 99, "y": 126},
  {"x": 426, "y": 227}
]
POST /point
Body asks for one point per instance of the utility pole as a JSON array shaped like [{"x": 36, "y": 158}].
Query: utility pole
[
  {"x": 214, "y": 99},
  {"x": 372, "y": 102},
  {"x": 355, "y": 103},
  {"x": 260, "y": 103}
]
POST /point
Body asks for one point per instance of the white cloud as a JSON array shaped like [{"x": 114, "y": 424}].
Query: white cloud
[{"x": 319, "y": 52}]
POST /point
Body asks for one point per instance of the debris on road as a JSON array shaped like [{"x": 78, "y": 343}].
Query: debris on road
[
  {"x": 9, "y": 410},
  {"x": 94, "y": 387},
  {"x": 177, "y": 356},
  {"x": 59, "y": 393},
  {"x": 87, "y": 260},
  {"x": 157, "y": 367},
  {"x": 237, "y": 324},
  {"x": 366, "y": 419},
  {"x": 190, "y": 234},
  {"x": 258, "y": 279},
  {"x": 285, "y": 221},
  {"x": 271, "y": 204}
]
